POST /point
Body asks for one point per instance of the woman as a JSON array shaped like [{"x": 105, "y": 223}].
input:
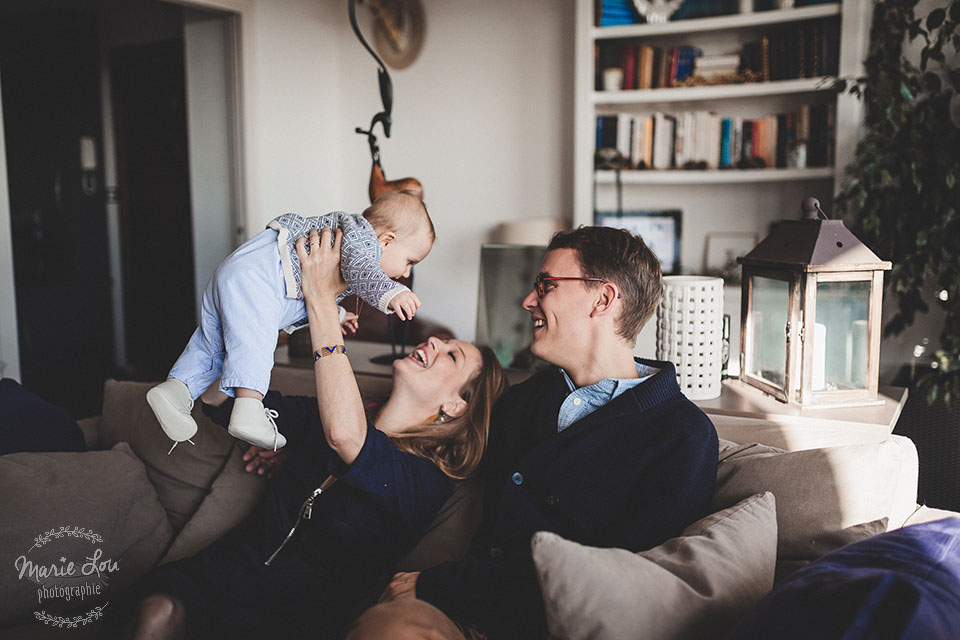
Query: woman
[{"x": 352, "y": 497}]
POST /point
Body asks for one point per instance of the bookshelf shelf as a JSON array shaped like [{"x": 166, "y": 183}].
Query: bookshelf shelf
[
  {"x": 719, "y": 23},
  {"x": 713, "y": 92},
  {"x": 715, "y": 176}
]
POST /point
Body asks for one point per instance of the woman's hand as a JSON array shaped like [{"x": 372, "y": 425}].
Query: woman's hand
[
  {"x": 403, "y": 585},
  {"x": 320, "y": 265},
  {"x": 264, "y": 462}
]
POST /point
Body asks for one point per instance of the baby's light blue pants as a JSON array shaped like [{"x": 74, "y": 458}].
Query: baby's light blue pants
[{"x": 244, "y": 306}]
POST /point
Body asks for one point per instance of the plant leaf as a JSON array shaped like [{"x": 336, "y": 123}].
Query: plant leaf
[
  {"x": 955, "y": 11},
  {"x": 931, "y": 81},
  {"x": 935, "y": 18},
  {"x": 905, "y": 92}
]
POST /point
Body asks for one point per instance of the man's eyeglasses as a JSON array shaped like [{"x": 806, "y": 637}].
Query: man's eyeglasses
[{"x": 538, "y": 284}]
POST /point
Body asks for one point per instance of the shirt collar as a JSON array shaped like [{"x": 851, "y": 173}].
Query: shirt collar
[{"x": 612, "y": 384}]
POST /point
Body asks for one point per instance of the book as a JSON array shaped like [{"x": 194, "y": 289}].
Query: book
[
  {"x": 623, "y": 136},
  {"x": 630, "y": 67},
  {"x": 645, "y": 80},
  {"x": 725, "y": 126}
]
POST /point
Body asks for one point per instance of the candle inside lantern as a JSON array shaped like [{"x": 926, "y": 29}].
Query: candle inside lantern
[{"x": 819, "y": 357}]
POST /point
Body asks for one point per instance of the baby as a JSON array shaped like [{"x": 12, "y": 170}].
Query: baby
[{"x": 254, "y": 292}]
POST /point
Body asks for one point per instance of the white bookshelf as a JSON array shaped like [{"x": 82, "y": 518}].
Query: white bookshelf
[
  {"x": 746, "y": 200},
  {"x": 713, "y": 176},
  {"x": 713, "y": 92},
  {"x": 719, "y": 23}
]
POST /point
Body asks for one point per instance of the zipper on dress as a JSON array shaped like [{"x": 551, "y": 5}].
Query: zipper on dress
[{"x": 306, "y": 511}]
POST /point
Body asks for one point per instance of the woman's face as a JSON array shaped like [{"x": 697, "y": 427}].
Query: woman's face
[{"x": 435, "y": 372}]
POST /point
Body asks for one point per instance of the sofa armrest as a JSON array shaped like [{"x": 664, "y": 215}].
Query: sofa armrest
[
  {"x": 91, "y": 431},
  {"x": 924, "y": 513}
]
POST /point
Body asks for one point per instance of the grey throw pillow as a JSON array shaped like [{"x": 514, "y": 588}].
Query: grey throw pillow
[{"x": 95, "y": 509}]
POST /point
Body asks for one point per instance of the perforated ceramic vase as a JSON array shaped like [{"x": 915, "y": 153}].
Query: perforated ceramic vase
[{"x": 690, "y": 332}]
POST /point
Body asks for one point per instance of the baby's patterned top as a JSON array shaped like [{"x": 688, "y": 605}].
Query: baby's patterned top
[{"x": 359, "y": 257}]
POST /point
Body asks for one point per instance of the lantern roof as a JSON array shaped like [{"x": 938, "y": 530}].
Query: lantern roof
[{"x": 813, "y": 244}]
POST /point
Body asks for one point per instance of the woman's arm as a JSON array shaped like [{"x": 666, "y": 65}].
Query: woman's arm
[{"x": 338, "y": 398}]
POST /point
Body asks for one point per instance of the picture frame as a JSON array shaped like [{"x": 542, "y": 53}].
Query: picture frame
[
  {"x": 660, "y": 229},
  {"x": 721, "y": 250}
]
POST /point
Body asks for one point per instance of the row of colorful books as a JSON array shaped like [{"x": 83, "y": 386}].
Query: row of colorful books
[
  {"x": 802, "y": 50},
  {"x": 705, "y": 140},
  {"x": 609, "y": 13},
  {"x": 646, "y": 67}
]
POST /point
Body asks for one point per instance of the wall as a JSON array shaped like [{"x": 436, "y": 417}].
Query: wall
[
  {"x": 483, "y": 118},
  {"x": 9, "y": 350}
]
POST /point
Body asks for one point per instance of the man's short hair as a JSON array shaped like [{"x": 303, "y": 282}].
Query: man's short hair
[{"x": 620, "y": 257}]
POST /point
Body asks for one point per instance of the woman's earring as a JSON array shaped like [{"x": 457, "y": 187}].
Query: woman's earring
[{"x": 441, "y": 416}]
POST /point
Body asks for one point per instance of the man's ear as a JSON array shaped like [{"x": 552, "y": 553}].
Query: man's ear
[
  {"x": 607, "y": 295},
  {"x": 386, "y": 238},
  {"x": 454, "y": 408}
]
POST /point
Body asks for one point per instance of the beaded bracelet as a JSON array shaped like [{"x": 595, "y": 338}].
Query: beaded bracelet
[{"x": 329, "y": 351}]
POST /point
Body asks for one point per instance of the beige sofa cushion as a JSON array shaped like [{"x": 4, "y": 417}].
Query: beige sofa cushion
[
  {"x": 822, "y": 492},
  {"x": 56, "y": 505},
  {"x": 693, "y": 586},
  {"x": 183, "y": 478},
  {"x": 232, "y": 497}
]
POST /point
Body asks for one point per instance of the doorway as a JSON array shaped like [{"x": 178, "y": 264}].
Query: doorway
[{"x": 104, "y": 226}]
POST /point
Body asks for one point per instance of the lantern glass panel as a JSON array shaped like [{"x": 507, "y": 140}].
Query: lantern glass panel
[
  {"x": 768, "y": 317},
  {"x": 840, "y": 347}
]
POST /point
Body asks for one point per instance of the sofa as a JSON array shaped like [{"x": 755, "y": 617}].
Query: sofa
[{"x": 124, "y": 506}]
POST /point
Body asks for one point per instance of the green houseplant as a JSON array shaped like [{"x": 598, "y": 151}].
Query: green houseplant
[{"x": 902, "y": 191}]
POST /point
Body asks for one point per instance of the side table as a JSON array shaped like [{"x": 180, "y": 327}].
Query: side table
[{"x": 745, "y": 414}]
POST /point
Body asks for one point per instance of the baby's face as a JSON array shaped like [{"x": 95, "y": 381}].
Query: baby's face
[{"x": 402, "y": 251}]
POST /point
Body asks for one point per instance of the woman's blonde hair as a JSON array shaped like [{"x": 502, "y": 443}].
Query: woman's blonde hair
[{"x": 457, "y": 445}]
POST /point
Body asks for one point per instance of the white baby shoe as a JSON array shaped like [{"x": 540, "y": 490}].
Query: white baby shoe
[
  {"x": 251, "y": 422},
  {"x": 171, "y": 403}
]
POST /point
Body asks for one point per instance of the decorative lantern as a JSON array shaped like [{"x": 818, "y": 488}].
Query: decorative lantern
[{"x": 810, "y": 313}]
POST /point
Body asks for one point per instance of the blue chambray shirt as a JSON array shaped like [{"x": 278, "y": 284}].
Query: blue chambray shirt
[{"x": 585, "y": 400}]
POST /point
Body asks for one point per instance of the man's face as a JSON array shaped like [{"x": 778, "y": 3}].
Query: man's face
[{"x": 560, "y": 318}]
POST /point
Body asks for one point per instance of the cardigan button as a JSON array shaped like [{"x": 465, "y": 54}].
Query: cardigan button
[
  {"x": 517, "y": 478},
  {"x": 553, "y": 501}
]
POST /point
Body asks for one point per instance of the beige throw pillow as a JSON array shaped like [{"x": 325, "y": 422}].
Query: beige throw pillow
[
  {"x": 693, "y": 586},
  {"x": 822, "y": 492}
]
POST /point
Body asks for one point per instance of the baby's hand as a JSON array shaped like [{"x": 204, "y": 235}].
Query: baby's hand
[
  {"x": 350, "y": 323},
  {"x": 405, "y": 305}
]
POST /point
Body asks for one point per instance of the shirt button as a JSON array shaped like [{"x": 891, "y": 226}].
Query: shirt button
[
  {"x": 576, "y": 401},
  {"x": 517, "y": 478},
  {"x": 553, "y": 501}
]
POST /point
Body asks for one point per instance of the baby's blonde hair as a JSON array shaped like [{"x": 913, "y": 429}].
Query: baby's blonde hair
[{"x": 401, "y": 212}]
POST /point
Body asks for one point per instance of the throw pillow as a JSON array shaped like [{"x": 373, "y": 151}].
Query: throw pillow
[
  {"x": 692, "y": 586},
  {"x": 30, "y": 423},
  {"x": 901, "y": 584},
  {"x": 232, "y": 497},
  {"x": 60, "y": 508},
  {"x": 822, "y": 492},
  {"x": 182, "y": 478}
]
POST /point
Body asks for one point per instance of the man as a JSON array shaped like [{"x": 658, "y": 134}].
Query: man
[{"x": 601, "y": 449}]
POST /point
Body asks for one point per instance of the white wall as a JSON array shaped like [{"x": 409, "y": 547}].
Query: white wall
[
  {"x": 483, "y": 118},
  {"x": 9, "y": 349},
  {"x": 209, "y": 127}
]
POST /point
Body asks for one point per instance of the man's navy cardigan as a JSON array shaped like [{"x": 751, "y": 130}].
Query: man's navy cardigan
[{"x": 632, "y": 474}]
